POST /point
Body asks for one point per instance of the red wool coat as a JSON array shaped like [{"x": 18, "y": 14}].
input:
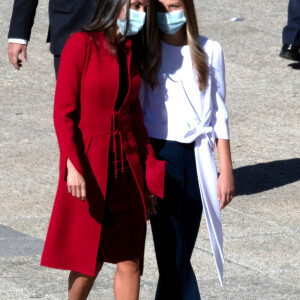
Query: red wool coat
[{"x": 86, "y": 92}]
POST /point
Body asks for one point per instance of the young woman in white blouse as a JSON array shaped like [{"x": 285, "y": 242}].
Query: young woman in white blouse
[{"x": 185, "y": 116}]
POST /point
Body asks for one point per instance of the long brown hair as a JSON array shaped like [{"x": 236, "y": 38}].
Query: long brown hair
[
  {"x": 145, "y": 46},
  {"x": 143, "y": 52},
  {"x": 198, "y": 56},
  {"x": 105, "y": 19},
  {"x": 152, "y": 41}
]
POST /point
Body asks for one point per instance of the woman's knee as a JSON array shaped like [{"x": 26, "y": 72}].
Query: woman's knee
[
  {"x": 129, "y": 266},
  {"x": 81, "y": 279}
]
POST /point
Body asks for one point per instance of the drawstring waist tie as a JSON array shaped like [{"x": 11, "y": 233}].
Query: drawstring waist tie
[{"x": 123, "y": 122}]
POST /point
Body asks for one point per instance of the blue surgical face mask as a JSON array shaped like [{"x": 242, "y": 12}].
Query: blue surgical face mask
[
  {"x": 171, "y": 22},
  {"x": 136, "y": 22}
]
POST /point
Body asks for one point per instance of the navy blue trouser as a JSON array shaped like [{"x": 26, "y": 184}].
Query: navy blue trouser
[
  {"x": 175, "y": 227},
  {"x": 291, "y": 32}
]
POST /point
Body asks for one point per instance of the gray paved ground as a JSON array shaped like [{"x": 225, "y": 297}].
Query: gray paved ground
[{"x": 261, "y": 226}]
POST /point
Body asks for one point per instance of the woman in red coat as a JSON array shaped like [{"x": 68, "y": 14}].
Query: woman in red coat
[{"x": 99, "y": 212}]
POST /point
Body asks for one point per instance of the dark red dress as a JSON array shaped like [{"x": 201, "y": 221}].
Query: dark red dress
[{"x": 123, "y": 228}]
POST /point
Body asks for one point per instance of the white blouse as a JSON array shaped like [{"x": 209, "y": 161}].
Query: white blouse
[{"x": 177, "y": 110}]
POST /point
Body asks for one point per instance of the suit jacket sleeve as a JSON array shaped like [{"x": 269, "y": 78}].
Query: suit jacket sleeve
[
  {"x": 22, "y": 19},
  {"x": 67, "y": 96},
  {"x": 154, "y": 169}
]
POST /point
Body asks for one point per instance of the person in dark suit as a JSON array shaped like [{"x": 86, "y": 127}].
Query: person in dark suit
[
  {"x": 291, "y": 33},
  {"x": 65, "y": 17}
]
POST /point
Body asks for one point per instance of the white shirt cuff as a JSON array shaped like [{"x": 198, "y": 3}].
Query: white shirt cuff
[{"x": 18, "y": 41}]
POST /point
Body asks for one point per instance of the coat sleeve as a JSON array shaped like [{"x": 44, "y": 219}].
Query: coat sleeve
[
  {"x": 154, "y": 168},
  {"x": 219, "y": 120},
  {"x": 22, "y": 19},
  {"x": 66, "y": 112}
]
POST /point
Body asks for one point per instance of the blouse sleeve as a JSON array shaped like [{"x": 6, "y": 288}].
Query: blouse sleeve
[
  {"x": 219, "y": 120},
  {"x": 66, "y": 113}
]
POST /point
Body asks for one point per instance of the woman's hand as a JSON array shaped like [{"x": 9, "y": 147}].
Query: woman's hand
[
  {"x": 75, "y": 182},
  {"x": 226, "y": 188},
  {"x": 150, "y": 202}
]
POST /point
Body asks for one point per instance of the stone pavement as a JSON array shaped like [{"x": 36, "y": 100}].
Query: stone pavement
[{"x": 261, "y": 226}]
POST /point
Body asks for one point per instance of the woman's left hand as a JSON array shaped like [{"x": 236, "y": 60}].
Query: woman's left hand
[
  {"x": 75, "y": 182},
  {"x": 226, "y": 188},
  {"x": 150, "y": 202}
]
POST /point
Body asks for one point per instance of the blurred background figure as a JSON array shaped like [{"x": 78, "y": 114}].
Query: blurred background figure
[
  {"x": 65, "y": 17},
  {"x": 291, "y": 33}
]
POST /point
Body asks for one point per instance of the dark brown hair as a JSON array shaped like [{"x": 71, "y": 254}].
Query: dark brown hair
[
  {"x": 198, "y": 56},
  {"x": 105, "y": 20},
  {"x": 152, "y": 41}
]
